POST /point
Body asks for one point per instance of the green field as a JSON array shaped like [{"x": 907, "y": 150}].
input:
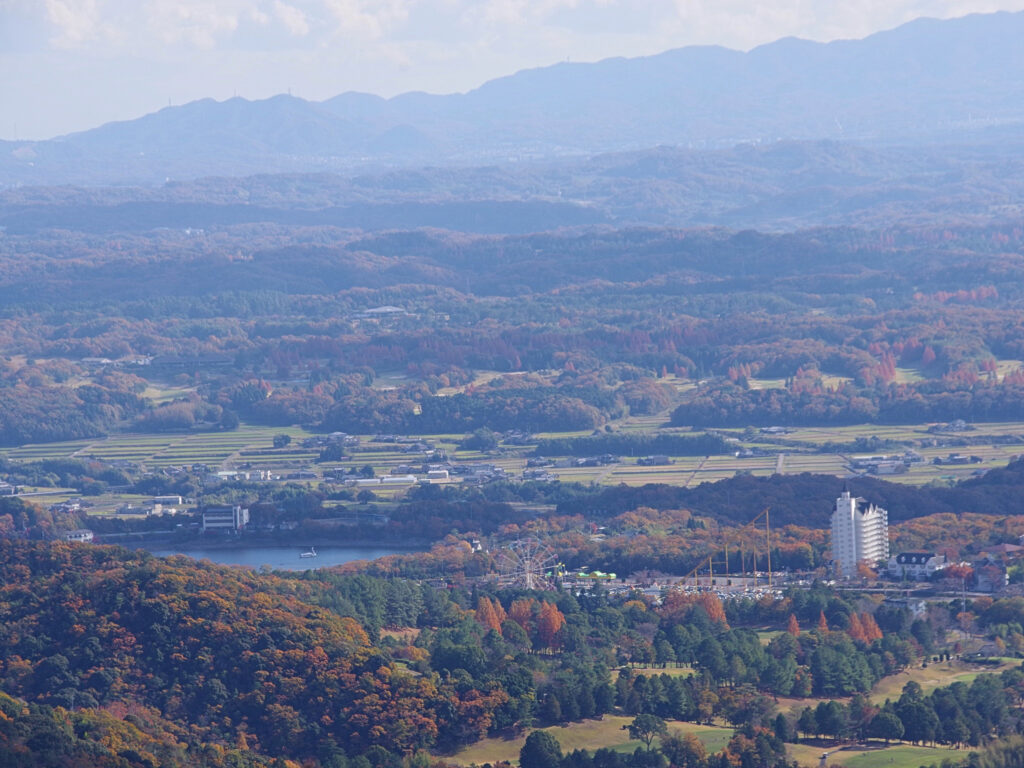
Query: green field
[
  {"x": 876, "y": 756},
  {"x": 929, "y": 678},
  {"x": 934, "y": 676},
  {"x": 590, "y": 734},
  {"x": 610, "y": 732}
]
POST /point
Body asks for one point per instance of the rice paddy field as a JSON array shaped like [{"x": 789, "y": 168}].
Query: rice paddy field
[{"x": 212, "y": 448}]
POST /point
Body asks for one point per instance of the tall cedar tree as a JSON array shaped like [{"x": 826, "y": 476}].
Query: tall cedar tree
[
  {"x": 856, "y": 629},
  {"x": 549, "y": 624},
  {"x": 872, "y": 631},
  {"x": 794, "y": 626},
  {"x": 486, "y": 615}
]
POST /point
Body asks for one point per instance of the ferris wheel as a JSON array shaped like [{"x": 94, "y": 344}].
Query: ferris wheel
[{"x": 527, "y": 563}]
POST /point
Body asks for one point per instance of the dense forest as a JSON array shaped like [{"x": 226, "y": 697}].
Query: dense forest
[
  {"x": 121, "y": 653},
  {"x": 287, "y": 324}
]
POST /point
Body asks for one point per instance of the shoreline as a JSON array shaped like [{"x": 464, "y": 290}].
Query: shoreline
[{"x": 138, "y": 540}]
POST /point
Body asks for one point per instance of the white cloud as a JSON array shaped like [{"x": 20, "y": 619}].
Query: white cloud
[
  {"x": 367, "y": 18},
  {"x": 196, "y": 24},
  {"x": 74, "y": 21},
  {"x": 294, "y": 19}
]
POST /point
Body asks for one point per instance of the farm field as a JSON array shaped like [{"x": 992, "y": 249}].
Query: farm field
[
  {"x": 162, "y": 449},
  {"x": 609, "y": 732},
  {"x": 250, "y": 447}
]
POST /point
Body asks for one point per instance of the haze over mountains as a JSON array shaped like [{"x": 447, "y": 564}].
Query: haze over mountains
[
  {"x": 781, "y": 186},
  {"x": 925, "y": 82}
]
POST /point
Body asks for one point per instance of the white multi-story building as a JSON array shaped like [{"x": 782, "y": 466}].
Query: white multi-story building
[
  {"x": 860, "y": 531},
  {"x": 225, "y": 518}
]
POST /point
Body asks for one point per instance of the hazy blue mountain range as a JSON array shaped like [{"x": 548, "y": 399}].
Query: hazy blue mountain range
[
  {"x": 780, "y": 186},
  {"x": 925, "y": 81}
]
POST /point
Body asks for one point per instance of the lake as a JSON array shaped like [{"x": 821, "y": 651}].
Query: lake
[{"x": 280, "y": 558}]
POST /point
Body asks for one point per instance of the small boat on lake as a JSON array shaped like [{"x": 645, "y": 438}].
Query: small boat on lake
[{"x": 311, "y": 553}]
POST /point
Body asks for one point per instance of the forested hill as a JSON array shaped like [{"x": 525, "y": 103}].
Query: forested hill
[
  {"x": 775, "y": 186},
  {"x": 478, "y": 216},
  {"x": 806, "y": 499},
  {"x": 218, "y": 651},
  {"x": 125, "y": 267},
  {"x": 925, "y": 80}
]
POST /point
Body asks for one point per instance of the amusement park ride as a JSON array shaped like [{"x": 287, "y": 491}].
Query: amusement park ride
[{"x": 529, "y": 564}]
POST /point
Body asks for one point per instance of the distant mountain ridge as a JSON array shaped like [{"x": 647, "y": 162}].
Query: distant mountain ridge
[
  {"x": 779, "y": 187},
  {"x": 927, "y": 80}
]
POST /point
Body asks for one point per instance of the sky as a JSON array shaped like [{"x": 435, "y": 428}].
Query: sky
[{"x": 70, "y": 65}]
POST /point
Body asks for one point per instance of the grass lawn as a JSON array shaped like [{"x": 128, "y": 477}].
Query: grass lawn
[
  {"x": 590, "y": 734},
  {"x": 767, "y": 383},
  {"x": 670, "y": 671},
  {"x": 907, "y": 375},
  {"x": 1004, "y": 367},
  {"x": 933, "y": 676},
  {"x": 876, "y": 756},
  {"x": 930, "y": 678}
]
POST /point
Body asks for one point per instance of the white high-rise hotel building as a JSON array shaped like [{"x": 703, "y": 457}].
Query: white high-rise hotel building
[{"x": 860, "y": 531}]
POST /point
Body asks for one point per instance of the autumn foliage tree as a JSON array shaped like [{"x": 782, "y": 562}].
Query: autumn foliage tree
[
  {"x": 793, "y": 627},
  {"x": 822, "y": 623},
  {"x": 487, "y": 615},
  {"x": 549, "y": 623}
]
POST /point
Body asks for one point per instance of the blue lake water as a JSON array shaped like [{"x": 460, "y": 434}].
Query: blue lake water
[{"x": 278, "y": 558}]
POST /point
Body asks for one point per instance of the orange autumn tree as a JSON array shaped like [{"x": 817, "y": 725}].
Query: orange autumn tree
[
  {"x": 794, "y": 626},
  {"x": 856, "y": 629},
  {"x": 521, "y": 612},
  {"x": 498, "y": 610},
  {"x": 677, "y": 605},
  {"x": 549, "y": 624},
  {"x": 872, "y": 631},
  {"x": 487, "y": 615},
  {"x": 710, "y": 603},
  {"x": 822, "y": 623}
]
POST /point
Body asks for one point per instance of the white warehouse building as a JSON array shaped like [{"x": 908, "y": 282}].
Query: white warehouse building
[{"x": 860, "y": 531}]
